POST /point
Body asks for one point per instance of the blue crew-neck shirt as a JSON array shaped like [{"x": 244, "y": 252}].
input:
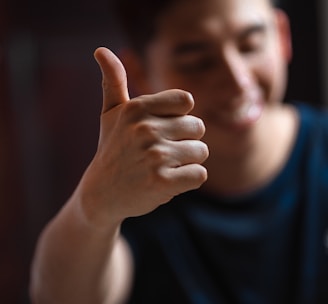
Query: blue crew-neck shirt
[{"x": 269, "y": 247}]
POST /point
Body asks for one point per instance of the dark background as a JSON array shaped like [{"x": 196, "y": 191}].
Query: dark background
[{"x": 50, "y": 98}]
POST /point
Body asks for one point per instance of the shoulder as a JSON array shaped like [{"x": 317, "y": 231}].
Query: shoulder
[
  {"x": 313, "y": 124},
  {"x": 312, "y": 143},
  {"x": 311, "y": 115}
]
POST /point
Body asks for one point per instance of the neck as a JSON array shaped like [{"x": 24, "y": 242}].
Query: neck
[{"x": 256, "y": 160}]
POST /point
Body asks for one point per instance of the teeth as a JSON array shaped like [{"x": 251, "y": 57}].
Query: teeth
[
  {"x": 251, "y": 109},
  {"x": 254, "y": 111},
  {"x": 242, "y": 112},
  {"x": 248, "y": 111}
]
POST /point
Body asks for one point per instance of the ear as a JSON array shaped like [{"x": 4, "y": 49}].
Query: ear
[
  {"x": 284, "y": 33},
  {"x": 136, "y": 72}
]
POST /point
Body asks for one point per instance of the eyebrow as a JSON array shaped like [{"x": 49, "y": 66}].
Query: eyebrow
[
  {"x": 190, "y": 47},
  {"x": 254, "y": 28}
]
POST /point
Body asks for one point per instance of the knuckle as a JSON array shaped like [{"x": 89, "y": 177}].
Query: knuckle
[
  {"x": 187, "y": 99},
  {"x": 199, "y": 126},
  {"x": 146, "y": 129},
  {"x": 161, "y": 176},
  {"x": 201, "y": 153},
  {"x": 158, "y": 155},
  {"x": 204, "y": 151},
  {"x": 201, "y": 175},
  {"x": 134, "y": 108},
  {"x": 183, "y": 97},
  {"x": 194, "y": 126}
]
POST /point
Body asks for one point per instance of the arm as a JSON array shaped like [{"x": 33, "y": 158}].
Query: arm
[
  {"x": 148, "y": 152},
  {"x": 78, "y": 263}
]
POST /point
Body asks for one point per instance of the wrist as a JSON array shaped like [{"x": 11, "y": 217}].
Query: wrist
[{"x": 94, "y": 212}]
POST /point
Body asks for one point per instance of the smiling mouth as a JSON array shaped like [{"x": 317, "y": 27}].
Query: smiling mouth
[
  {"x": 239, "y": 113},
  {"x": 248, "y": 112}
]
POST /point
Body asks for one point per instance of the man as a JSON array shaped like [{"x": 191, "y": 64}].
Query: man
[{"x": 254, "y": 231}]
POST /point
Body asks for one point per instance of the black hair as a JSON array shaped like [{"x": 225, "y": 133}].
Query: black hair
[{"x": 137, "y": 19}]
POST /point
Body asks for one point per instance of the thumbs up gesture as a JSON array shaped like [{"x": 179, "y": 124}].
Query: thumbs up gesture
[
  {"x": 149, "y": 148},
  {"x": 114, "y": 80}
]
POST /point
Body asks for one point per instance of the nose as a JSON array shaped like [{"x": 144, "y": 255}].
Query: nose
[{"x": 233, "y": 74}]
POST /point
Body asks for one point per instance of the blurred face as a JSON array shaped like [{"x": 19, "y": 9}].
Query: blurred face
[{"x": 230, "y": 54}]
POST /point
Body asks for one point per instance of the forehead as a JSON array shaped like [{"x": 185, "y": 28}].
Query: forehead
[{"x": 188, "y": 18}]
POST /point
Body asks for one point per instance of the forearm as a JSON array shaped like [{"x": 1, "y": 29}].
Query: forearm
[
  {"x": 149, "y": 151},
  {"x": 76, "y": 262}
]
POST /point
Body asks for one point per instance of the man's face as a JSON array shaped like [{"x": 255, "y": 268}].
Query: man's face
[{"x": 230, "y": 54}]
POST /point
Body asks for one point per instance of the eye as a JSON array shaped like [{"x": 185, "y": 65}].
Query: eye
[
  {"x": 253, "y": 43},
  {"x": 196, "y": 65},
  {"x": 253, "y": 39},
  {"x": 194, "y": 57}
]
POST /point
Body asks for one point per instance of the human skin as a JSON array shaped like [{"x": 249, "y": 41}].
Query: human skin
[
  {"x": 232, "y": 55},
  {"x": 149, "y": 151}
]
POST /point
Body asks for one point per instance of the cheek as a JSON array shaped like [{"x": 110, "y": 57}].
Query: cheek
[{"x": 271, "y": 77}]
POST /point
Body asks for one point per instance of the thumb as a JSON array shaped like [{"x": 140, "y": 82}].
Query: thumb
[{"x": 114, "y": 79}]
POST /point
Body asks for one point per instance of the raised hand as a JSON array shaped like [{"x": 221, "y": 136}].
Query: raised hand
[
  {"x": 149, "y": 149},
  {"x": 114, "y": 81}
]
